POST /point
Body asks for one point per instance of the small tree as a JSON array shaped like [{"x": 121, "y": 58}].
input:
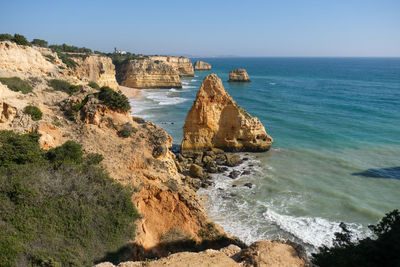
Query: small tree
[
  {"x": 5, "y": 37},
  {"x": 34, "y": 112},
  {"x": 39, "y": 42},
  {"x": 20, "y": 39}
]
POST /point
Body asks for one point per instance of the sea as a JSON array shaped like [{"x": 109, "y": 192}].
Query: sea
[{"x": 336, "y": 151}]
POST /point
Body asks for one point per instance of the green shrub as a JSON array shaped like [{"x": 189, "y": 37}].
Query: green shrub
[
  {"x": 34, "y": 112},
  {"x": 70, "y": 152},
  {"x": 39, "y": 42},
  {"x": 16, "y": 84},
  {"x": 50, "y": 58},
  {"x": 93, "y": 85},
  {"x": 19, "y": 149},
  {"x": 68, "y": 216},
  {"x": 126, "y": 130},
  {"x": 61, "y": 85},
  {"x": 5, "y": 37},
  {"x": 93, "y": 158},
  {"x": 20, "y": 39},
  {"x": 383, "y": 250},
  {"x": 70, "y": 49},
  {"x": 66, "y": 60},
  {"x": 112, "y": 99}
]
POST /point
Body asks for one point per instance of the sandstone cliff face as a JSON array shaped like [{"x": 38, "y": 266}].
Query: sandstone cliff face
[
  {"x": 147, "y": 73},
  {"x": 96, "y": 68},
  {"x": 181, "y": 64},
  {"x": 201, "y": 65},
  {"x": 25, "y": 60},
  {"x": 239, "y": 75},
  {"x": 215, "y": 120}
]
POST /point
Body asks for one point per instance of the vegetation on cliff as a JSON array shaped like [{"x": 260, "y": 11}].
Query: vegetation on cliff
[
  {"x": 34, "y": 112},
  {"x": 16, "y": 84},
  {"x": 112, "y": 99},
  {"x": 383, "y": 250},
  {"x": 56, "y": 207},
  {"x": 64, "y": 86}
]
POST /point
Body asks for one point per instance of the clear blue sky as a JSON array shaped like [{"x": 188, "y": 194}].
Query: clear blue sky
[{"x": 210, "y": 28}]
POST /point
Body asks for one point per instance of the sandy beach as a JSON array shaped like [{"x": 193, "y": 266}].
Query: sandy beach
[{"x": 130, "y": 92}]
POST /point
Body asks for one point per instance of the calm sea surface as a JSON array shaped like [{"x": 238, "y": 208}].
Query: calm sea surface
[{"x": 336, "y": 155}]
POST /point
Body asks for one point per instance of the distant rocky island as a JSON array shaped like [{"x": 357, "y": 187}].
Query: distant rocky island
[
  {"x": 201, "y": 65},
  {"x": 239, "y": 75}
]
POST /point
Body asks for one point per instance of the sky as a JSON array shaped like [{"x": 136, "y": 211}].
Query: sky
[{"x": 289, "y": 28}]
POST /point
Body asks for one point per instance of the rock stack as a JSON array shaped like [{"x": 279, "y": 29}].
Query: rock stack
[
  {"x": 216, "y": 121},
  {"x": 201, "y": 65},
  {"x": 239, "y": 75}
]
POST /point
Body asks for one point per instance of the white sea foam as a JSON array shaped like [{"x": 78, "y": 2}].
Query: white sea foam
[
  {"x": 164, "y": 98},
  {"x": 311, "y": 230}
]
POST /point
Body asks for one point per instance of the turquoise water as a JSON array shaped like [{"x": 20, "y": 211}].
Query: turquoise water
[{"x": 336, "y": 155}]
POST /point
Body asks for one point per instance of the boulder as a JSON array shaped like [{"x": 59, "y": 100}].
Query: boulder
[
  {"x": 239, "y": 75},
  {"x": 196, "y": 171},
  {"x": 233, "y": 160},
  {"x": 234, "y": 174},
  {"x": 216, "y": 121}
]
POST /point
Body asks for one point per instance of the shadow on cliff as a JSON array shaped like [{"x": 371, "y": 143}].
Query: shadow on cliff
[
  {"x": 385, "y": 173},
  {"x": 134, "y": 252}
]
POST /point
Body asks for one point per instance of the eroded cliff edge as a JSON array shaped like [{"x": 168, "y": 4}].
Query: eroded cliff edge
[
  {"x": 215, "y": 120},
  {"x": 148, "y": 73}
]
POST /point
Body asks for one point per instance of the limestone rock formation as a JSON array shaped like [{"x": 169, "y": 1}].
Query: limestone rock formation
[
  {"x": 24, "y": 59},
  {"x": 96, "y": 68},
  {"x": 239, "y": 75},
  {"x": 182, "y": 65},
  {"x": 201, "y": 65},
  {"x": 215, "y": 120},
  {"x": 147, "y": 73}
]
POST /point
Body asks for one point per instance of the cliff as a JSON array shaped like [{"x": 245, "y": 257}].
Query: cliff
[
  {"x": 215, "y": 120},
  {"x": 201, "y": 65},
  {"x": 147, "y": 73},
  {"x": 32, "y": 61},
  {"x": 239, "y": 75},
  {"x": 26, "y": 60},
  {"x": 182, "y": 65},
  {"x": 96, "y": 68}
]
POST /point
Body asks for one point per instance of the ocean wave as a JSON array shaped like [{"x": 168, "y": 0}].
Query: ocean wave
[
  {"x": 311, "y": 230},
  {"x": 163, "y": 98}
]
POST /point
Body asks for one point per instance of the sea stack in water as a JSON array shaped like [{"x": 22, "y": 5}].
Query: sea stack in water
[
  {"x": 147, "y": 73},
  {"x": 239, "y": 75},
  {"x": 215, "y": 120},
  {"x": 201, "y": 65}
]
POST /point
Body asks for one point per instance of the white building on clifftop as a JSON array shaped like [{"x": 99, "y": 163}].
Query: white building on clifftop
[{"x": 116, "y": 51}]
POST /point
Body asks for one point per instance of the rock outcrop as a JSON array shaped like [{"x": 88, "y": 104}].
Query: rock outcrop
[
  {"x": 239, "y": 75},
  {"x": 182, "y": 65},
  {"x": 201, "y": 65},
  {"x": 147, "y": 73},
  {"x": 261, "y": 254},
  {"x": 215, "y": 120},
  {"x": 96, "y": 68}
]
